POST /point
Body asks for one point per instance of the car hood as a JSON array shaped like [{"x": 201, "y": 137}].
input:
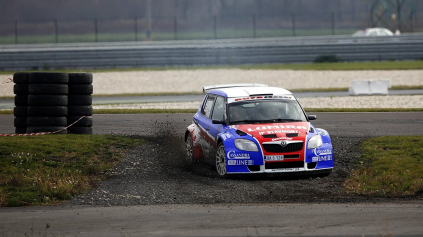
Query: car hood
[{"x": 276, "y": 131}]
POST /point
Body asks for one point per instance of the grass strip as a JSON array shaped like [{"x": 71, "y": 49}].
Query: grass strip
[
  {"x": 389, "y": 166},
  {"x": 42, "y": 170},
  {"x": 338, "y": 66}
]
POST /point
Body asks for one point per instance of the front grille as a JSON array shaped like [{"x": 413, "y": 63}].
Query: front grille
[
  {"x": 276, "y": 148},
  {"x": 291, "y": 156},
  {"x": 282, "y": 165}
]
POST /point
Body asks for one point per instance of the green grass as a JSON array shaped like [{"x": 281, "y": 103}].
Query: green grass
[
  {"x": 340, "y": 66},
  {"x": 389, "y": 166},
  {"x": 47, "y": 169}
]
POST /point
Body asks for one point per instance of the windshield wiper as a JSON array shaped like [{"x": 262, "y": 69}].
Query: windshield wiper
[
  {"x": 246, "y": 121},
  {"x": 281, "y": 120}
]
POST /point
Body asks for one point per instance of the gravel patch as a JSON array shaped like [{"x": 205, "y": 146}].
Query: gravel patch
[
  {"x": 193, "y": 80},
  {"x": 155, "y": 173}
]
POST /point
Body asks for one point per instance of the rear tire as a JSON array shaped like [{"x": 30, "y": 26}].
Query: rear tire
[{"x": 189, "y": 150}]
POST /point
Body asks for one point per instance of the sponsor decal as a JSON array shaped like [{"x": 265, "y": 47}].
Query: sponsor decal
[
  {"x": 319, "y": 152},
  {"x": 282, "y": 138},
  {"x": 263, "y": 97},
  {"x": 238, "y": 156},
  {"x": 226, "y": 136},
  {"x": 259, "y": 128},
  {"x": 321, "y": 158},
  {"x": 272, "y": 158},
  {"x": 240, "y": 162},
  {"x": 285, "y": 169}
]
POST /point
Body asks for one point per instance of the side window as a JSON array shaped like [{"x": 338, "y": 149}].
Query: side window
[
  {"x": 219, "y": 108},
  {"x": 208, "y": 105},
  {"x": 381, "y": 32}
]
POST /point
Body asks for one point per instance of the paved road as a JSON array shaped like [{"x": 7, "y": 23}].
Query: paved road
[
  {"x": 338, "y": 124},
  {"x": 402, "y": 219},
  {"x": 399, "y": 218},
  {"x": 9, "y": 103}
]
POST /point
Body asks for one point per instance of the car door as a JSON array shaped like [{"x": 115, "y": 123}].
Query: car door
[{"x": 204, "y": 122}]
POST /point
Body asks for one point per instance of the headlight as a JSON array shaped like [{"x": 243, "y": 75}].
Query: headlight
[
  {"x": 245, "y": 145},
  {"x": 315, "y": 142}
]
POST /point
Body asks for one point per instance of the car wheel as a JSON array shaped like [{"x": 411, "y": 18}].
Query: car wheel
[
  {"x": 189, "y": 150},
  {"x": 221, "y": 160}
]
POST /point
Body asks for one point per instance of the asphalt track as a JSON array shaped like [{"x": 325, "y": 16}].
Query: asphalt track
[
  {"x": 97, "y": 100},
  {"x": 395, "y": 218}
]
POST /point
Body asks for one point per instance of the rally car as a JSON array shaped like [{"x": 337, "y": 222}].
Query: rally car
[{"x": 253, "y": 128}]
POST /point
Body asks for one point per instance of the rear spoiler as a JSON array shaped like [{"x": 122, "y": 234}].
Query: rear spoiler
[{"x": 207, "y": 88}]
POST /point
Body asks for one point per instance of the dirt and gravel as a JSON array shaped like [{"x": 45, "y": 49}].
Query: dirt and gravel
[{"x": 155, "y": 173}]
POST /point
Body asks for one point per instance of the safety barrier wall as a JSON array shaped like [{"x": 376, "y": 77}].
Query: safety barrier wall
[{"x": 209, "y": 52}]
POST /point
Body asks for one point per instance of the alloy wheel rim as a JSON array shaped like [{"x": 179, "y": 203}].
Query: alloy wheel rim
[{"x": 221, "y": 161}]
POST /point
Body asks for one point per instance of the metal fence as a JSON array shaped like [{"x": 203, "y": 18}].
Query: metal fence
[
  {"x": 209, "y": 52},
  {"x": 182, "y": 28}
]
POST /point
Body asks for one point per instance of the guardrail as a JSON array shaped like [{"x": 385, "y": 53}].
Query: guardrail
[{"x": 209, "y": 52}]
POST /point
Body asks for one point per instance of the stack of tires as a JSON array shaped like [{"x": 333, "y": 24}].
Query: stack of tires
[
  {"x": 20, "y": 89},
  {"x": 47, "y": 102},
  {"x": 80, "y": 103}
]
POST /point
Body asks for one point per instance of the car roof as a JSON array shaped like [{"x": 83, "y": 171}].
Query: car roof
[{"x": 249, "y": 91}]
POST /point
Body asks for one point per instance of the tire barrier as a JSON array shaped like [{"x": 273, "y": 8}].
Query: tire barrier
[
  {"x": 45, "y": 102},
  {"x": 21, "y": 91},
  {"x": 47, "y": 98},
  {"x": 80, "y": 102}
]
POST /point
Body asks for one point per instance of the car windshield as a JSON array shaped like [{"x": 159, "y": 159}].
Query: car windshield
[{"x": 265, "y": 111}]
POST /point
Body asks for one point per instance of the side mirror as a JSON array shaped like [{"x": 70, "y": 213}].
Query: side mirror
[
  {"x": 312, "y": 117},
  {"x": 215, "y": 121}
]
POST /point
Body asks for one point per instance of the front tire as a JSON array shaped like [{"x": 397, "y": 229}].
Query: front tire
[{"x": 221, "y": 160}]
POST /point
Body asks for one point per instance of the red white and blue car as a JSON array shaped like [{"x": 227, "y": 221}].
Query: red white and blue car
[{"x": 253, "y": 128}]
